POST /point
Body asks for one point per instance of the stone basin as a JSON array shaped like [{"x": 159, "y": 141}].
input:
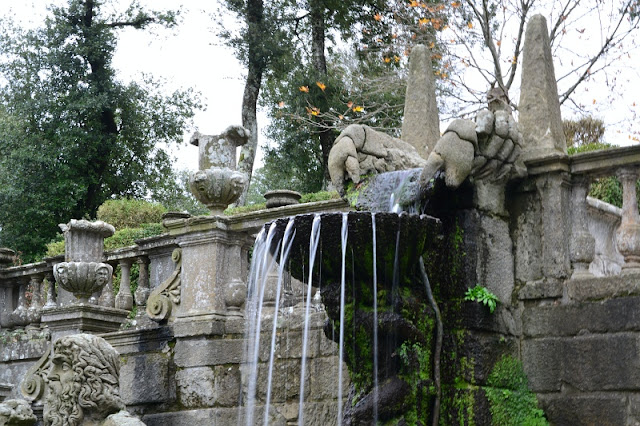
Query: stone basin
[{"x": 410, "y": 233}]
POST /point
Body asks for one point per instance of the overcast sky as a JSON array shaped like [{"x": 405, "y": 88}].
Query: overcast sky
[{"x": 189, "y": 56}]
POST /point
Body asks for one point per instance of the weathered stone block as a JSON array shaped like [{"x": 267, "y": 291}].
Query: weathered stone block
[
  {"x": 612, "y": 315},
  {"x": 600, "y": 409},
  {"x": 588, "y": 363},
  {"x": 145, "y": 378},
  {"x": 198, "y": 352},
  {"x": 285, "y": 381},
  {"x": 209, "y": 386}
]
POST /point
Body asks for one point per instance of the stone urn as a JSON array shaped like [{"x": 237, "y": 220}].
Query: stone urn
[
  {"x": 6, "y": 257},
  {"x": 218, "y": 184},
  {"x": 82, "y": 278},
  {"x": 281, "y": 197},
  {"x": 82, "y": 272}
]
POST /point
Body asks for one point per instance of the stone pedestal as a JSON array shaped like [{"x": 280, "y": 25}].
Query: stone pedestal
[
  {"x": 83, "y": 318},
  {"x": 214, "y": 270}
]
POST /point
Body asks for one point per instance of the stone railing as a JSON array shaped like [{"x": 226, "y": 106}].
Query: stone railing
[
  {"x": 624, "y": 163},
  {"x": 27, "y": 290}
]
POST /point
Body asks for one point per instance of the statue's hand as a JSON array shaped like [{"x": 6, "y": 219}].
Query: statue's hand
[{"x": 360, "y": 150}]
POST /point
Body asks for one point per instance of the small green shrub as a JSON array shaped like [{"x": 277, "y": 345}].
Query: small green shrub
[
  {"x": 245, "y": 209},
  {"x": 122, "y": 238},
  {"x": 130, "y": 213},
  {"x": 480, "y": 294},
  {"x": 127, "y": 236},
  {"x": 510, "y": 401}
]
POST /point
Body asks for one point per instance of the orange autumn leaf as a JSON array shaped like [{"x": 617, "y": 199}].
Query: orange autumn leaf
[
  {"x": 281, "y": 104},
  {"x": 321, "y": 85},
  {"x": 594, "y": 101},
  {"x": 423, "y": 21},
  {"x": 341, "y": 117},
  {"x": 358, "y": 108},
  {"x": 498, "y": 43},
  {"x": 432, "y": 45},
  {"x": 304, "y": 89},
  {"x": 455, "y": 4},
  {"x": 377, "y": 17},
  {"x": 470, "y": 24},
  {"x": 396, "y": 58},
  {"x": 437, "y": 23},
  {"x": 387, "y": 59},
  {"x": 349, "y": 104}
]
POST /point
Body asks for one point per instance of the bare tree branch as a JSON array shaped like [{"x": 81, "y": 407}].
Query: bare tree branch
[{"x": 605, "y": 47}]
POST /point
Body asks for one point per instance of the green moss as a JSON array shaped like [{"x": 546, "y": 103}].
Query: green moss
[
  {"x": 319, "y": 196},
  {"x": 511, "y": 401},
  {"x": 231, "y": 211}
]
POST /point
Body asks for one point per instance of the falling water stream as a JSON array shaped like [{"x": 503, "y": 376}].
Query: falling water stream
[
  {"x": 344, "y": 235},
  {"x": 313, "y": 248},
  {"x": 287, "y": 240},
  {"x": 260, "y": 268},
  {"x": 262, "y": 264},
  {"x": 375, "y": 322}
]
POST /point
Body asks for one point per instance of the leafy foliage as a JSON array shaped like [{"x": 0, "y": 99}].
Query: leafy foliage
[
  {"x": 480, "y": 294},
  {"x": 76, "y": 135},
  {"x": 586, "y": 131},
  {"x": 511, "y": 401},
  {"x": 130, "y": 213}
]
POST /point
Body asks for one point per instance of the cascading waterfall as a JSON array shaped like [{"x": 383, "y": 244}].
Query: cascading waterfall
[
  {"x": 313, "y": 248},
  {"x": 267, "y": 251},
  {"x": 260, "y": 268},
  {"x": 344, "y": 232},
  {"x": 375, "y": 322},
  {"x": 287, "y": 240}
]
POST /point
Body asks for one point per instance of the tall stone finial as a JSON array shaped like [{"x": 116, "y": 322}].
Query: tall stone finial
[
  {"x": 421, "y": 125},
  {"x": 540, "y": 120}
]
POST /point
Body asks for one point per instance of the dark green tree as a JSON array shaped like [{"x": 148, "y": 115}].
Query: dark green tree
[{"x": 78, "y": 135}]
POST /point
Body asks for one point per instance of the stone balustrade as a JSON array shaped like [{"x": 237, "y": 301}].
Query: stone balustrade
[{"x": 624, "y": 163}]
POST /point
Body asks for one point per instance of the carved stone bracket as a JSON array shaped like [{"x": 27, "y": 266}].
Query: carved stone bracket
[
  {"x": 162, "y": 299},
  {"x": 33, "y": 385}
]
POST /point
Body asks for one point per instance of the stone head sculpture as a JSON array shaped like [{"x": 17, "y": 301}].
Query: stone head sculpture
[{"x": 82, "y": 382}]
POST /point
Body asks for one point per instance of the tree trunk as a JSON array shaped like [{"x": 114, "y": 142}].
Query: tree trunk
[
  {"x": 316, "y": 14},
  {"x": 256, "y": 65},
  {"x": 100, "y": 80}
]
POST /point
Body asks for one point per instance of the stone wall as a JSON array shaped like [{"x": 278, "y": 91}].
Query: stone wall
[{"x": 581, "y": 353}]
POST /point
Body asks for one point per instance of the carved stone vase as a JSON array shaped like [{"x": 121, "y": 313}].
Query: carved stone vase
[
  {"x": 217, "y": 184},
  {"x": 82, "y": 273}
]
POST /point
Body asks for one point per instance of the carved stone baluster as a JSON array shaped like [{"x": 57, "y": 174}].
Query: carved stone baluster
[
  {"x": 582, "y": 242},
  {"x": 5, "y": 316},
  {"x": 51, "y": 291},
  {"x": 142, "y": 292},
  {"x": 35, "y": 310},
  {"x": 124, "y": 298},
  {"x": 628, "y": 235},
  {"x": 19, "y": 315},
  {"x": 106, "y": 298}
]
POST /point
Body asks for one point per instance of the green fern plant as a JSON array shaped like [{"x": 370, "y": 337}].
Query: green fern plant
[{"x": 480, "y": 294}]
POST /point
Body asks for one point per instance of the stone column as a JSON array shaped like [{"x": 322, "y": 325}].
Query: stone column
[
  {"x": 19, "y": 316},
  {"x": 142, "y": 292},
  {"x": 124, "y": 298},
  {"x": 628, "y": 235},
  {"x": 35, "y": 309},
  {"x": 582, "y": 242},
  {"x": 6, "y": 306},
  {"x": 554, "y": 191},
  {"x": 51, "y": 291}
]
